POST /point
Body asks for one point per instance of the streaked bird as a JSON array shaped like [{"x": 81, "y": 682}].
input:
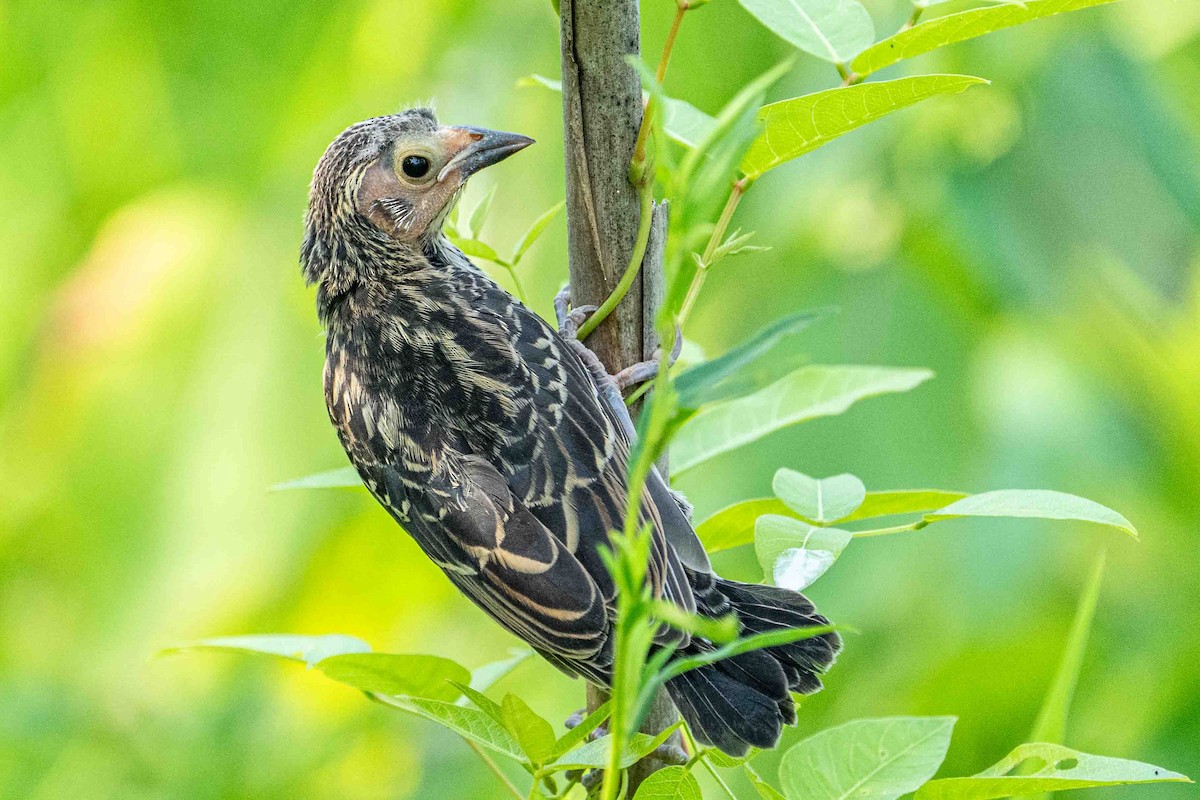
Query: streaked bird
[{"x": 480, "y": 429}]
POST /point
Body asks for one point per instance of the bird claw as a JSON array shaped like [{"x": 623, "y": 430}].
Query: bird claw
[
  {"x": 570, "y": 319},
  {"x": 648, "y": 370}
]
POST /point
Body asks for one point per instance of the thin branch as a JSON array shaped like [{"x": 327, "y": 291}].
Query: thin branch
[
  {"x": 702, "y": 757},
  {"x": 494, "y": 767},
  {"x": 714, "y": 241}
]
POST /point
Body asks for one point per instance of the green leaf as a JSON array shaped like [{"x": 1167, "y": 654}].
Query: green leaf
[
  {"x": 719, "y": 629},
  {"x": 959, "y": 27},
  {"x": 705, "y": 174},
  {"x": 832, "y": 30},
  {"x": 735, "y": 244},
  {"x": 341, "y": 478},
  {"x": 1036, "y": 503},
  {"x": 536, "y": 230},
  {"x": 388, "y": 673},
  {"x": 479, "y": 215},
  {"x": 1051, "y": 725},
  {"x": 794, "y": 127},
  {"x": 534, "y": 733},
  {"x": 486, "y": 676},
  {"x": 733, "y": 526},
  {"x": 685, "y": 123},
  {"x": 580, "y": 732},
  {"x": 718, "y": 759},
  {"x": 594, "y": 754},
  {"x": 669, "y": 783},
  {"x": 822, "y": 500},
  {"x": 793, "y": 554},
  {"x": 744, "y": 369},
  {"x": 902, "y": 501},
  {"x": 534, "y": 79},
  {"x": 484, "y": 703},
  {"x": 478, "y": 249},
  {"x": 809, "y": 392},
  {"x": 307, "y": 649},
  {"x": 868, "y": 759},
  {"x": 470, "y": 723},
  {"x": 1053, "y": 768},
  {"x": 765, "y": 790}
]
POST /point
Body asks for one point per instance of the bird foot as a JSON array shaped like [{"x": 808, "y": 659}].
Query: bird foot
[
  {"x": 570, "y": 319},
  {"x": 648, "y": 370},
  {"x": 569, "y": 322}
]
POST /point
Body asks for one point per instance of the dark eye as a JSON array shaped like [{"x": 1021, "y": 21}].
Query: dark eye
[{"x": 415, "y": 166}]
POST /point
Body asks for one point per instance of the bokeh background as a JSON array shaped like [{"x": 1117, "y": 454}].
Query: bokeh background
[{"x": 1035, "y": 242}]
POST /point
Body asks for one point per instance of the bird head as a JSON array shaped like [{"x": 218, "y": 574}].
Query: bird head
[{"x": 390, "y": 181}]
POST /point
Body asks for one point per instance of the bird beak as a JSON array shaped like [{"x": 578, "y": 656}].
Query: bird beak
[{"x": 472, "y": 149}]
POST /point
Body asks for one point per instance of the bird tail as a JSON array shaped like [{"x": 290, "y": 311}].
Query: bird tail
[{"x": 745, "y": 701}]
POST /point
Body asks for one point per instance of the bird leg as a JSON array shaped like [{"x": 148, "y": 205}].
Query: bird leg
[
  {"x": 648, "y": 370},
  {"x": 608, "y": 387},
  {"x": 569, "y": 321}
]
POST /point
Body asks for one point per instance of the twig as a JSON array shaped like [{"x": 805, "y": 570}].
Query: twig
[
  {"x": 714, "y": 241},
  {"x": 494, "y": 767},
  {"x": 703, "y": 759}
]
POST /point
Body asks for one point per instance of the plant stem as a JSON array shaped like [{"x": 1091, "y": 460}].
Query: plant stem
[
  {"x": 660, "y": 74},
  {"x": 642, "y": 176},
  {"x": 687, "y": 732},
  {"x": 646, "y": 196},
  {"x": 512, "y": 271},
  {"x": 916, "y": 525},
  {"x": 714, "y": 241},
  {"x": 494, "y": 767},
  {"x": 912, "y": 20}
]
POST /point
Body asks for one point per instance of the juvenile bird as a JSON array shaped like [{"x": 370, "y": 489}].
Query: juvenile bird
[{"x": 480, "y": 429}]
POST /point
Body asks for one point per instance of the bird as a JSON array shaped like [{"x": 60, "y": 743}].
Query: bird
[{"x": 481, "y": 430}]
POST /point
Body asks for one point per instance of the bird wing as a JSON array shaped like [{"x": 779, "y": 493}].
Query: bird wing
[
  {"x": 576, "y": 479},
  {"x": 503, "y": 558}
]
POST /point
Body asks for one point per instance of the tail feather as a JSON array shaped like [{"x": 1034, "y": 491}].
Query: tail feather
[
  {"x": 745, "y": 701},
  {"x": 724, "y": 712}
]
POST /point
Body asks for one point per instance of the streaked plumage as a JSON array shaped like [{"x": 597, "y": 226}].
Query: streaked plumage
[{"x": 479, "y": 429}]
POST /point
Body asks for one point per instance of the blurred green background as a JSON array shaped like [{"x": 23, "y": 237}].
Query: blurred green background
[{"x": 1035, "y": 242}]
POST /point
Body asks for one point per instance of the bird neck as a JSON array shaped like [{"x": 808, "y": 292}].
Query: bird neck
[{"x": 361, "y": 257}]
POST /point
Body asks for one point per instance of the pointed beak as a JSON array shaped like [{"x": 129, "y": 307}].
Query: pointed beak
[{"x": 472, "y": 149}]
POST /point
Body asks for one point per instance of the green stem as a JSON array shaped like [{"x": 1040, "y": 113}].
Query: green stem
[
  {"x": 646, "y": 195},
  {"x": 496, "y": 769},
  {"x": 714, "y": 241},
  {"x": 660, "y": 74},
  {"x": 638, "y": 393},
  {"x": 512, "y": 271},
  {"x": 916, "y": 525},
  {"x": 687, "y": 732}
]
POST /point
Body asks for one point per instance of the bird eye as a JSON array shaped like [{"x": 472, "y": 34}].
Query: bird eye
[{"x": 415, "y": 166}]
